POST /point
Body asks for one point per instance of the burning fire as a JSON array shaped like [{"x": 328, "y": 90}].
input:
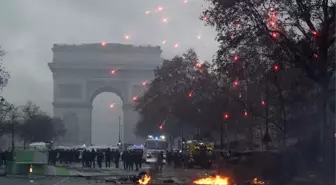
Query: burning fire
[
  {"x": 218, "y": 180},
  {"x": 144, "y": 180},
  {"x": 256, "y": 181}
]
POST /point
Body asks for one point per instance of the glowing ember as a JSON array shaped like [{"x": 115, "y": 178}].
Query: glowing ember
[
  {"x": 315, "y": 55},
  {"x": 103, "y": 43},
  {"x": 226, "y": 115},
  {"x": 235, "y": 83},
  {"x": 159, "y": 8},
  {"x": 144, "y": 180},
  {"x": 256, "y": 181},
  {"x": 176, "y": 45},
  {"x": 127, "y": 37},
  {"x": 198, "y": 37},
  {"x": 164, "y": 20},
  {"x": 134, "y": 98},
  {"x": 164, "y": 42},
  {"x": 218, "y": 180},
  {"x": 113, "y": 71}
]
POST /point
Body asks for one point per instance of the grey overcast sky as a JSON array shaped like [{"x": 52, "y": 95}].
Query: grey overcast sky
[{"x": 29, "y": 28}]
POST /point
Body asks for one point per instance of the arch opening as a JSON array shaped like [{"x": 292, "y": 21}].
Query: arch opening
[{"x": 107, "y": 119}]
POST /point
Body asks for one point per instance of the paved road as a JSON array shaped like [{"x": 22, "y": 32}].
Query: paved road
[
  {"x": 50, "y": 181},
  {"x": 179, "y": 174}
]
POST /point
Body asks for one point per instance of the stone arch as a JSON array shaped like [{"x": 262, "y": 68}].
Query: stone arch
[
  {"x": 107, "y": 88},
  {"x": 71, "y": 123}
]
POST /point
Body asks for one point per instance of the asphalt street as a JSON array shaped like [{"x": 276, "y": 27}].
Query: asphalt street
[
  {"x": 50, "y": 181},
  {"x": 179, "y": 174}
]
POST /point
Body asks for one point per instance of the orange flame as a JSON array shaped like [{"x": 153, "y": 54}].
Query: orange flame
[
  {"x": 218, "y": 180},
  {"x": 144, "y": 180},
  {"x": 256, "y": 181}
]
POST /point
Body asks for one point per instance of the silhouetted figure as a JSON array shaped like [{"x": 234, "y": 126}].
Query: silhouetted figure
[
  {"x": 108, "y": 158},
  {"x": 123, "y": 158},
  {"x": 100, "y": 157},
  {"x": 117, "y": 159}
]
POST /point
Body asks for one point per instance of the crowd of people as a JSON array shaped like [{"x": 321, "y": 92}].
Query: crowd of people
[{"x": 131, "y": 159}]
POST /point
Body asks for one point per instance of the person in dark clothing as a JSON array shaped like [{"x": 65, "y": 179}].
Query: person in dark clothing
[
  {"x": 130, "y": 160},
  {"x": 169, "y": 157},
  {"x": 117, "y": 159},
  {"x": 108, "y": 158},
  {"x": 137, "y": 160},
  {"x": 83, "y": 158},
  {"x": 159, "y": 162},
  {"x": 123, "y": 158},
  {"x": 93, "y": 158},
  {"x": 100, "y": 157}
]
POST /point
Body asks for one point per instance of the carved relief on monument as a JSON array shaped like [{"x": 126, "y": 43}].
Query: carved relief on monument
[{"x": 69, "y": 91}]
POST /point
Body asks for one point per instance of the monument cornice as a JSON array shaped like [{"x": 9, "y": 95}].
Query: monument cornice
[
  {"x": 97, "y": 65},
  {"x": 105, "y": 73},
  {"x": 83, "y": 105},
  {"x": 108, "y": 47}
]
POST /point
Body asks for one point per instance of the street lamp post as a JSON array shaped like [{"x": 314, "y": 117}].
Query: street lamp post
[
  {"x": 119, "y": 125},
  {"x": 119, "y": 130}
]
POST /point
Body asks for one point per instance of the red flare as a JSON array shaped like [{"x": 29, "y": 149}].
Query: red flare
[
  {"x": 276, "y": 67},
  {"x": 226, "y": 115},
  {"x": 113, "y": 71},
  {"x": 235, "y": 58}
]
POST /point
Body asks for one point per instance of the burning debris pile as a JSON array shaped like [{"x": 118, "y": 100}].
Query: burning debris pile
[
  {"x": 256, "y": 181},
  {"x": 220, "y": 180},
  {"x": 216, "y": 180},
  {"x": 144, "y": 180}
]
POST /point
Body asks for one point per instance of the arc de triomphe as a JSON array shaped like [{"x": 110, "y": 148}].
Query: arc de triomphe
[{"x": 81, "y": 72}]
